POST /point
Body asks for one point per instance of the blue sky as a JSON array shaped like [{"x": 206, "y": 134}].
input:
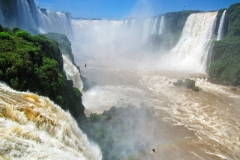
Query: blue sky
[{"x": 120, "y": 9}]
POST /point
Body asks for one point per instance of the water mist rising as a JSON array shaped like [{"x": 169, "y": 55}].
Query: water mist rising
[
  {"x": 128, "y": 75},
  {"x": 128, "y": 41}
]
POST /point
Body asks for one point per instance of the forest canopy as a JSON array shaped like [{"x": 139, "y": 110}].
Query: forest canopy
[
  {"x": 34, "y": 63},
  {"x": 225, "y": 67}
]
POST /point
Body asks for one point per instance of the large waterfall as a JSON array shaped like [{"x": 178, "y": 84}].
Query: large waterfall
[
  {"x": 189, "y": 54},
  {"x": 120, "y": 58},
  {"x": 72, "y": 73},
  {"x": 191, "y": 51},
  {"x": 33, "y": 127},
  {"x": 26, "y": 15},
  {"x": 145, "y": 26},
  {"x": 206, "y": 122}
]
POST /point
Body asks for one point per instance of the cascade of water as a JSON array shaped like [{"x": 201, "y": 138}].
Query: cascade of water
[
  {"x": 29, "y": 17},
  {"x": 98, "y": 38},
  {"x": 24, "y": 20},
  {"x": 192, "y": 49},
  {"x": 58, "y": 23},
  {"x": 125, "y": 24},
  {"x": 151, "y": 26},
  {"x": 161, "y": 27},
  {"x": 221, "y": 24},
  {"x": 33, "y": 127},
  {"x": 35, "y": 12},
  {"x": 118, "y": 24},
  {"x": 72, "y": 73},
  {"x": 133, "y": 25},
  {"x": 154, "y": 29},
  {"x": 146, "y": 27},
  {"x": 1, "y": 17}
]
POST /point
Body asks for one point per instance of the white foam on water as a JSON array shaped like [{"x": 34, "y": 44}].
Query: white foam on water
[{"x": 33, "y": 127}]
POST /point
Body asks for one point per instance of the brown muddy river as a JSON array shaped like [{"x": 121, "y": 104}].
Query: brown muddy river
[{"x": 188, "y": 125}]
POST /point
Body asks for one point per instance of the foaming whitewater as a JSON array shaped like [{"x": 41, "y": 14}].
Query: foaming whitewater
[
  {"x": 72, "y": 73},
  {"x": 33, "y": 127},
  {"x": 212, "y": 114},
  {"x": 192, "y": 125},
  {"x": 221, "y": 24},
  {"x": 189, "y": 124},
  {"x": 191, "y": 52}
]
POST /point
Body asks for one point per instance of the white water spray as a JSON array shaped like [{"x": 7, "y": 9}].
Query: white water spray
[
  {"x": 154, "y": 29},
  {"x": 31, "y": 18},
  {"x": 221, "y": 24},
  {"x": 191, "y": 52},
  {"x": 161, "y": 27},
  {"x": 72, "y": 73},
  {"x": 146, "y": 29},
  {"x": 33, "y": 127}
]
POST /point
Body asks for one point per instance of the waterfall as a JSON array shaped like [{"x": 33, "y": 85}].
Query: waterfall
[
  {"x": 161, "y": 26},
  {"x": 154, "y": 29},
  {"x": 100, "y": 37},
  {"x": 33, "y": 19},
  {"x": 146, "y": 27},
  {"x": 24, "y": 20},
  {"x": 133, "y": 25},
  {"x": 72, "y": 73},
  {"x": 125, "y": 24},
  {"x": 192, "y": 49},
  {"x": 33, "y": 127},
  {"x": 150, "y": 29},
  {"x": 221, "y": 24},
  {"x": 1, "y": 16},
  {"x": 58, "y": 22}
]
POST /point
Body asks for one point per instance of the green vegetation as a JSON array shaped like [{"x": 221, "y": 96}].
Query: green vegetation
[
  {"x": 65, "y": 47},
  {"x": 225, "y": 66},
  {"x": 219, "y": 15},
  {"x": 196, "y": 88},
  {"x": 64, "y": 44},
  {"x": 187, "y": 83},
  {"x": 35, "y": 63},
  {"x": 121, "y": 131},
  {"x": 174, "y": 23}
]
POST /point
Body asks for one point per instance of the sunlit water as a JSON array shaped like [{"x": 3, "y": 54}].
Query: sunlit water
[
  {"x": 33, "y": 127},
  {"x": 189, "y": 125}
]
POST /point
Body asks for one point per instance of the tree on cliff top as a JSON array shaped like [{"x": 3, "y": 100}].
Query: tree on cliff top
[{"x": 35, "y": 63}]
